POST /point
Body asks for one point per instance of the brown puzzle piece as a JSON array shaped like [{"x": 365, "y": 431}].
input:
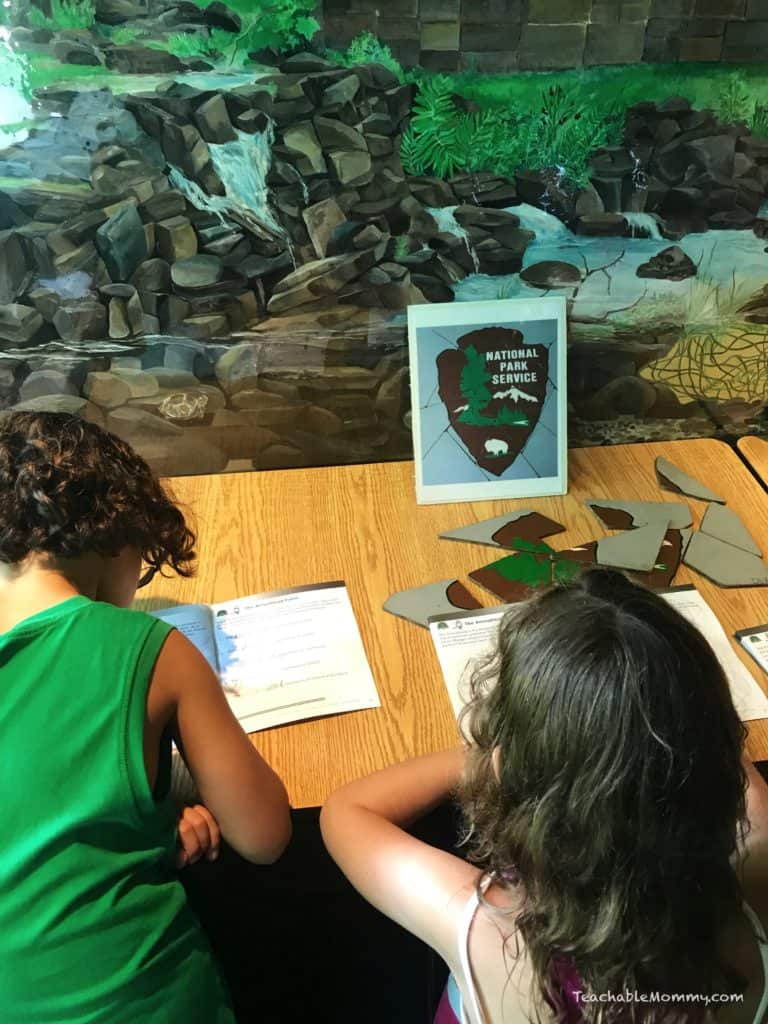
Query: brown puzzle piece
[
  {"x": 531, "y": 527},
  {"x": 460, "y": 597}
]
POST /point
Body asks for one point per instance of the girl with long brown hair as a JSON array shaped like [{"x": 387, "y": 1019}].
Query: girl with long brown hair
[{"x": 618, "y": 840}]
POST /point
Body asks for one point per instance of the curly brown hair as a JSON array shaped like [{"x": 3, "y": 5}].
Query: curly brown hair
[
  {"x": 67, "y": 488},
  {"x": 618, "y": 796}
]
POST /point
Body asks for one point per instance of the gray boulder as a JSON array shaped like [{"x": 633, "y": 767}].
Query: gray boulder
[
  {"x": 122, "y": 243},
  {"x": 19, "y": 324}
]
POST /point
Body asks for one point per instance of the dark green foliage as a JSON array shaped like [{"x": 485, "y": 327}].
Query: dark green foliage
[
  {"x": 366, "y": 49},
  {"x": 473, "y": 384},
  {"x": 558, "y": 133},
  {"x": 64, "y": 14},
  {"x": 527, "y": 568},
  {"x": 536, "y": 547},
  {"x": 735, "y": 103},
  {"x": 431, "y": 143},
  {"x": 402, "y": 247},
  {"x": 758, "y": 124},
  {"x": 511, "y": 418},
  {"x": 473, "y": 381},
  {"x": 279, "y": 25}
]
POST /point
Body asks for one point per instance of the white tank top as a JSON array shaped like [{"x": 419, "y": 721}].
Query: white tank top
[{"x": 473, "y": 1014}]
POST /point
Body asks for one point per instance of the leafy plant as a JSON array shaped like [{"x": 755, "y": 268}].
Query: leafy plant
[
  {"x": 734, "y": 101},
  {"x": 279, "y": 25},
  {"x": 563, "y": 135},
  {"x": 431, "y": 142},
  {"x": 366, "y": 49},
  {"x": 758, "y": 123},
  {"x": 483, "y": 140},
  {"x": 217, "y": 44},
  {"x": 402, "y": 247},
  {"x": 558, "y": 135},
  {"x": 124, "y": 36},
  {"x": 64, "y": 14}
]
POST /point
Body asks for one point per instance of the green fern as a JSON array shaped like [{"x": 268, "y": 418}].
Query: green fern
[
  {"x": 758, "y": 124},
  {"x": 734, "y": 100},
  {"x": 65, "y": 14},
  {"x": 434, "y": 123},
  {"x": 410, "y": 153}
]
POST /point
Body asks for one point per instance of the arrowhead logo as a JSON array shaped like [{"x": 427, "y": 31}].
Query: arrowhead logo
[{"x": 493, "y": 387}]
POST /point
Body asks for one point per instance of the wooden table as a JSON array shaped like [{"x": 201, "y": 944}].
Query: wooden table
[
  {"x": 270, "y": 530},
  {"x": 755, "y": 451}
]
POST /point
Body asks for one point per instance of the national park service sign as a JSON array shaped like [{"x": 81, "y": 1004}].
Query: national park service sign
[{"x": 493, "y": 386}]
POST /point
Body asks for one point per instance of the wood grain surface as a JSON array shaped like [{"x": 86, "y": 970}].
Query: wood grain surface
[
  {"x": 269, "y": 530},
  {"x": 755, "y": 451}
]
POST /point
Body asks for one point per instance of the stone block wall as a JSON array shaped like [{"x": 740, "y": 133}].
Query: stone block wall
[{"x": 536, "y": 35}]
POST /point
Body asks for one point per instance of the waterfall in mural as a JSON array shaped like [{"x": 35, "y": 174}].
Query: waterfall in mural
[
  {"x": 253, "y": 234},
  {"x": 243, "y": 166},
  {"x": 15, "y": 107}
]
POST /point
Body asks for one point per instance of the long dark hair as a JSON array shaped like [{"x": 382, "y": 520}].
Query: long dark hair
[{"x": 617, "y": 796}]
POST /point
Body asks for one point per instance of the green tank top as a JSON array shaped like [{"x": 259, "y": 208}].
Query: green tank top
[{"x": 94, "y": 924}]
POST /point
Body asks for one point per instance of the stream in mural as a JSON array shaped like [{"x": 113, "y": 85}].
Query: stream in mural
[{"x": 209, "y": 245}]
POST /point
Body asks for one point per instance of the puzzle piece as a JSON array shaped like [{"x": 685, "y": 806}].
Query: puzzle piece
[
  {"x": 667, "y": 564},
  {"x": 515, "y": 577},
  {"x": 420, "y": 603},
  {"x": 674, "y": 479},
  {"x": 628, "y": 515},
  {"x": 634, "y": 549},
  {"x": 728, "y": 527},
  {"x": 507, "y": 531},
  {"x": 658, "y": 578},
  {"x": 723, "y": 563}
]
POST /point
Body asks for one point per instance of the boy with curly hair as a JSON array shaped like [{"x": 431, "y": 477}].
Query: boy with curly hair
[{"x": 94, "y": 923}]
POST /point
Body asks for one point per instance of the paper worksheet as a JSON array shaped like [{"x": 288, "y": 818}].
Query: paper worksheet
[
  {"x": 283, "y": 656},
  {"x": 748, "y": 698},
  {"x": 461, "y": 639}
]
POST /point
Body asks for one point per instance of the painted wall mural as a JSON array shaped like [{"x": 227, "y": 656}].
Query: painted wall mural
[{"x": 212, "y": 220}]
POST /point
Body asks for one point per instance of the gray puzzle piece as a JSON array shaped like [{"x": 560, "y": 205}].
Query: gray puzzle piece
[
  {"x": 685, "y": 540},
  {"x": 627, "y": 515},
  {"x": 500, "y": 531},
  {"x": 677, "y": 480},
  {"x": 635, "y": 549},
  {"x": 727, "y": 526},
  {"x": 724, "y": 564},
  {"x": 420, "y": 603}
]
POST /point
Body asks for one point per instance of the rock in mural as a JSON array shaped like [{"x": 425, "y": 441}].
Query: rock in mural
[{"x": 212, "y": 242}]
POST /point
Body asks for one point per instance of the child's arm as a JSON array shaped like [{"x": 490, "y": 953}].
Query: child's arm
[
  {"x": 244, "y": 795},
  {"x": 420, "y": 887}
]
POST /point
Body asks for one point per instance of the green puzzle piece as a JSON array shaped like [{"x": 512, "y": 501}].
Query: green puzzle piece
[{"x": 532, "y": 546}]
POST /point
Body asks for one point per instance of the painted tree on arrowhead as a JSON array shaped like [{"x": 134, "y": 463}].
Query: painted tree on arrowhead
[{"x": 473, "y": 383}]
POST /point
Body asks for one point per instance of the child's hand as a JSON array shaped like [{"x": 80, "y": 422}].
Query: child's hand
[{"x": 198, "y": 836}]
